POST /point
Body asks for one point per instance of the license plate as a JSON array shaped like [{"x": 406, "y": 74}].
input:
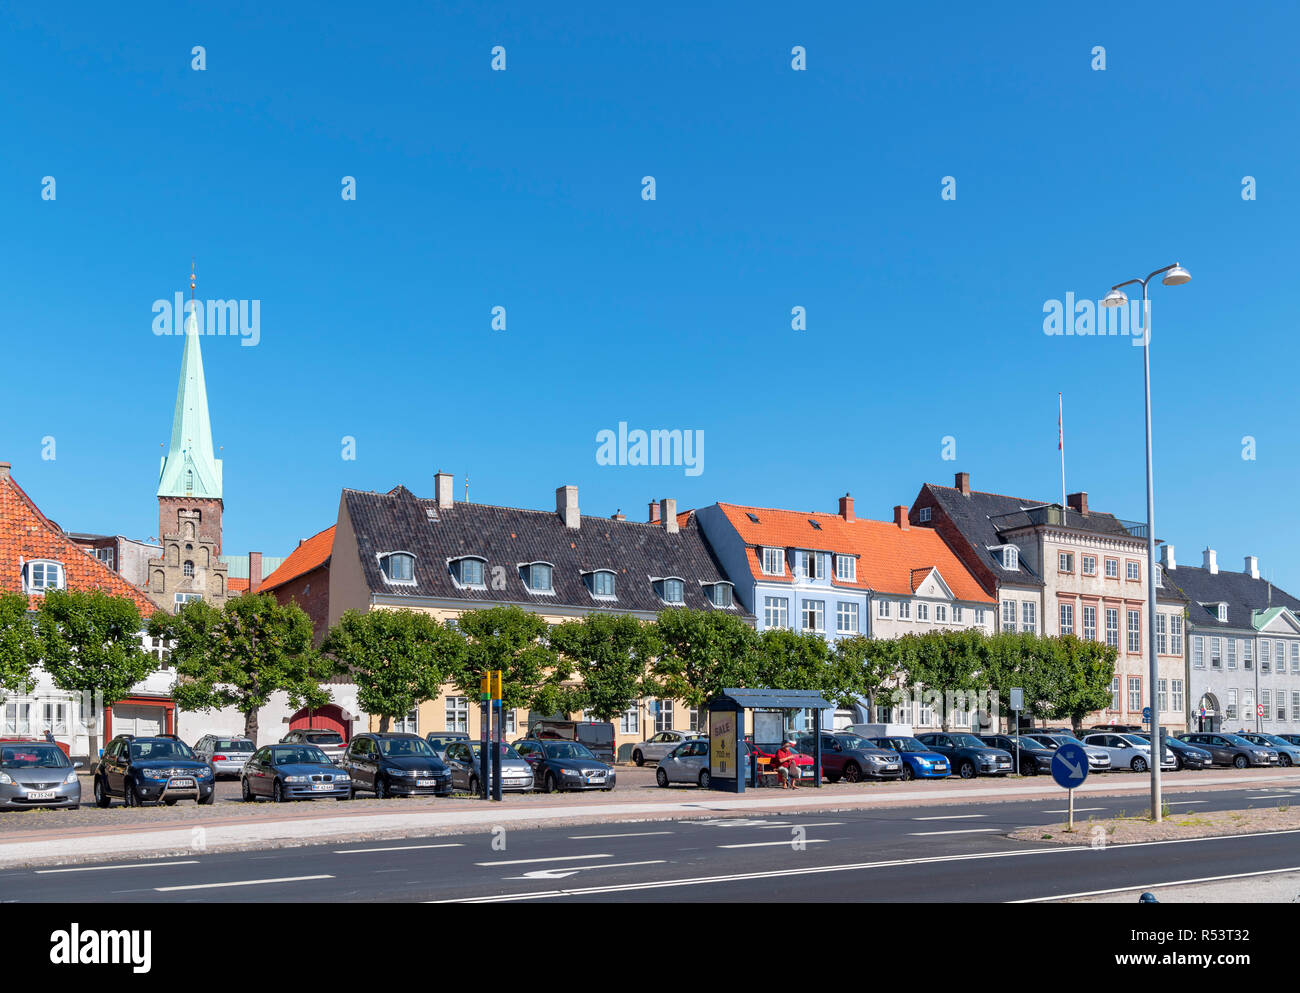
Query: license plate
[
  {"x": 181, "y": 784},
  {"x": 891, "y": 768},
  {"x": 595, "y": 779},
  {"x": 426, "y": 782},
  {"x": 515, "y": 782},
  {"x": 40, "y": 795},
  {"x": 322, "y": 787}
]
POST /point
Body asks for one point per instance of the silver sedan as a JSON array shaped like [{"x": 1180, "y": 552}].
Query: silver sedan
[
  {"x": 1128, "y": 752},
  {"x": 654, "y": 749},
  {"x": 463, "y": 759},
  {"x": 687, "y": 763},
  {"x": 37, "y": 774}
]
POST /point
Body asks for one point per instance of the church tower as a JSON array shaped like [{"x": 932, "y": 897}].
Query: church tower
[{"x": 189, "y": 492}]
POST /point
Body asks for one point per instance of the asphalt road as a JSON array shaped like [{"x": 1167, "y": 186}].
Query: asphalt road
[{"x": 949, "y": 854}]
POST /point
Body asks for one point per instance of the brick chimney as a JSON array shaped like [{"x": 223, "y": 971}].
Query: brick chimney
[
  {"x": 1210, "y": 561},
  {"x": 566, "y": 505},
  {"x": 444, "y": 487},
  {"x": 1167, "y": 558},
  {"x": 4, "y": 470},
  {"x": 846, "y": 507},
  {"x": 254, "y": 571},
  {"x": 1252, "y": 566},
  {"x": 900, "y": 517},
  {"x": 654, "y": 512},
  {"x": 618, "y": 515},
  {"x": 668, "y": 514},
  {"x": 1078, "y": 502},
  {"x": 963, "y": 483}
]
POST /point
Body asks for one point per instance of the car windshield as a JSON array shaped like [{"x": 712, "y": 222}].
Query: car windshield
[
  {"x": 160, "y": 749},
  {"x": 324, "y": 738},
  {"x": 406, "y": 746},
  {"x": 904, "y": 745},
  {"x": 1026, "y": 741},
  {"x": 1237, "y": 739},
  {"x": 1048, "y": 740},
  {"x": 567, "y": 750},
  {"x": 967, "y": 741},
  {"x": 299, "y": 755},
  {"x": 234, "y": 745},
  {"x": 854, "y": 741},
  {"x": 506, "y": 751},
  {"x": 1134, "y": 739},
  {"x": 34, "y": 756}
]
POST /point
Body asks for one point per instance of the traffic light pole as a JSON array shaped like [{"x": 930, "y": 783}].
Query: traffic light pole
[{"x": 496, "y": 750}]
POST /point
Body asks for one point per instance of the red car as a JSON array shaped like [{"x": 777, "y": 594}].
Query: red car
[{"x": 802, "y": 761}]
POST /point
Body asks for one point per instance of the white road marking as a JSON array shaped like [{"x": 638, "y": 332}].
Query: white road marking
[
  {"x": 1272, "y": 796},
  {"x": 773, "y": 844},
  {"x": 131, "y": 865},
  {"x": 1184, "y": 802},
  {"x": 400, "y": 848},
  {"x": 1077, "y": 810},
  {"x": 950, "y": 817},
  {"x": 1156, "y": 886},
  {"x": 570, "y": 870},
  {"x": 629, "y": 834},
  {"x": 557, "y": 858},
  {"x": 928, "y": 834},
  {"x": 238, "y": 882},
  {"x": 769, "y": 827}
]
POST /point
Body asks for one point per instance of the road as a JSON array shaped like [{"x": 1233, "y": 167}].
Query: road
[{"x": 916, "y": 853}]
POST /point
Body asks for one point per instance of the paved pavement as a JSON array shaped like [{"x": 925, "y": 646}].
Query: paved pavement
[{"x": 894, "y": 854}]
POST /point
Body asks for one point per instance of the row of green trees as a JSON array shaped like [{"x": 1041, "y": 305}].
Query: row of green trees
[{"x": 241, "y": 654}]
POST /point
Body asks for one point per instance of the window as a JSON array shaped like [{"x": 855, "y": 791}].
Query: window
[
  {"x": 979, "y": 615},
  {"x": 1247, "y": 703},
  {"x": 1281, "y": 705},
  {"x": 510, "y": 724},
  {"x": 1265, "y": 656},
  {"x": 1089, "y": 623},
  {"x": 538, "y": 577},
  {"x": 1198, "y": 652},
  {"x": 956, "y": 615},
  {"x": 630, "y": 722},
  {"x": 1295, "y": 658},
  {"x": 1134, "y": 571},
  {"x": 1221, "y": 612},
  {"x": 104, "y": 555},
  {"x": 398, "y": 567},
  {"x": 1114, "y": 693},
  {"x": 1177, "y": 686},
  {"x": 673, "y": 591},
  {"x": 1065, "y": 561},
  {"x": 846, "y": 568},
  {"x": 1162, "y": 637},
  {"x": 1162, "y": 696},
  {"x": 1232, "y": 705},
  {"x": 1279, "y": 656},
  {"x": 1089, "y": 563},
  {"x": 1232, "y": 653},
  {"x": 812, "y": 564},
  {"x": 923, "y": 515},
  {"x": 1134, "y": 631},
  {"x": 814, "y": 615},
  {"x": 720, "y": 595},
  {"x": 468, "y": 572},
  {"x": 410, "y": 724},
  {"x": 1067, "y": 618},
  {"x": 184, "y": 598},
  {"x": 1112, "y": 627},
  {"x": 776, "y": 612},
  {"x": 904, "y": 610},
  {"x": 663, "y": 715},
  {"x": 774, "y": 561},
  {"x": 457, "y": 714},
  {"x": 1112, "y": 568},
  {"x": 40, "y": 576},
  {"x": 1028, "y": 617},
  {"x": 940, "y": 613},
  {"x": 1175, "y": 634},
  {"x": 922, "y": 611},
  {"x": 1135, "y": 694},
  {"x": 1010, "y": 558},
  {"x": 188, "y": 568},
  {"x": 1248, "y": 654},
  {"x": 1265, "y": 704},
  {"x": 1295, "y": 706},
  {"x": 846, "y": 617},
  {"x": 882, "y": 608},
  {"x": 602, "y": 583},
  {"x": 1008, "y": 615},
  {"x": 1216, "y": 653}
]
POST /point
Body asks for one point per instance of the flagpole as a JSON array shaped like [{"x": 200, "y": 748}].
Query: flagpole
[{"x": 1060, "y": 443}]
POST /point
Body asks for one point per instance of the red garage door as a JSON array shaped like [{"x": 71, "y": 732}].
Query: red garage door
[{"x": 327, "y": 718}]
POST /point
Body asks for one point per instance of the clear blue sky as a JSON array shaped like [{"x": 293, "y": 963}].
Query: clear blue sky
[{"x": 775, "y": 188}]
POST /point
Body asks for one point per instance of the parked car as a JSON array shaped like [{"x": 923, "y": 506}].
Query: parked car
[
  {"x": 1098, "y": 758},
  {"x": 1288, "y": 752},
  {"x": 225, "y": 756},
  {"x": 1231, "y": 749},
  {"x": 329, "y": 742},
  {"x": 657, "y": 746},
  {"x": 1035, "y": 757},
  {"x": 968, "y": 756},
  {"x": 596, "y": 736},
  {"x": 851, "y": 757},
  {"x": 392, "y": 763},
  {"x": 439, "y": 740},
  {"x": 1112, "y": 729},
  {"x": 293, "y": 772},
  {"x": 689, "y": 763},
  {"x": 917, "y": 758},
  {"x": 464, "y": 759},
  {"x": 37, "y": 774},
  {"x": 156, "y": 769},
  {"x": 560, "y": 765},
  {"x": 1185, "y": 756},
  {"x": 1291, "y": 739},
  {"x": 1129, "y": 752}
]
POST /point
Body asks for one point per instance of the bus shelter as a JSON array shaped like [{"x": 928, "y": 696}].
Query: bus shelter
[{"x": 731, "y": 765}]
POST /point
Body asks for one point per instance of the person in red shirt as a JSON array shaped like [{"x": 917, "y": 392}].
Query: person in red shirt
[{"x": 786, "y": 766}]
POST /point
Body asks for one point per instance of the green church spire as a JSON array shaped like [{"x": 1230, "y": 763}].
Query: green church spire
[{"x": 189, "y": 469}]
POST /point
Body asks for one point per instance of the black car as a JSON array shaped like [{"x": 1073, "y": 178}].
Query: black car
[
  {"x": 390, "y": 763},
  {"x": 1035, "y": 757},
  {"x": 967, "y": 755},
  {"x": 564, "y": 765},
  {"x": 152, "y": 770},
  {"x": 1186, "y": 755}
]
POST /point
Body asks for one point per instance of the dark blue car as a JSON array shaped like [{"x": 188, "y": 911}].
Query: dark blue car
[
  {"x": 919, "y": 762},
  {"x": 293, "y": 772}
]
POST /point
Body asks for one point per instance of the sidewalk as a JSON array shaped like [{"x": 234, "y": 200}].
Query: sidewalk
[{"x": 304, "y": 824}]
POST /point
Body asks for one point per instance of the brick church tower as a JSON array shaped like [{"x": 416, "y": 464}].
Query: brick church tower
[{"x": 189, "y": 493}]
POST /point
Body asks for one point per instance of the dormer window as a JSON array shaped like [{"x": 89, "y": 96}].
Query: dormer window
[
  {"x": 601, "y": 584},
  {"x": 40, "y": 576},
  {"x": 721, "y": 595},
  {"x": 774, "y": 561},
  {"x": 671, "y": 590},
  {"x": 923, "y": 515},
  {"x": 811, "y": 564},
  {"x": 1223, "y": 613},
  {"x": 398, "y": 567},
  {"x": 468, "y": 572},
  {"x": 537, "y": 577},
  {"x": 1008, "y": 556},
  {"x": 846, "y": 568}
]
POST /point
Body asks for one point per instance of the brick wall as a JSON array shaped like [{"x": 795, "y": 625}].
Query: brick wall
[{"x": 209, "y": 523}]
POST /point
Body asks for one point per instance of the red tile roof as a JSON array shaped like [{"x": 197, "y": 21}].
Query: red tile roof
[
  {"x": 27, "y": 534},
  {"x": 309, "y": 555},
  {"x": 888, "y": 556}
]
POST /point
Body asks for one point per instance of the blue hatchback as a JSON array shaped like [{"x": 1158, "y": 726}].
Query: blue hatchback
[{"x": 918, "y": 761}]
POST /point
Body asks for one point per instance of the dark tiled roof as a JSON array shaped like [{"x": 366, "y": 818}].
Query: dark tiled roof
[
  {"x": 973, "y": 515},
  {"x": 1242, "y": 594},
  {"x": 509, "y": 537}
]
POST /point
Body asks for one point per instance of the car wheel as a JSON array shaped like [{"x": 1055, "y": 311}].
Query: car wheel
[
  {"x": 131, "y": 797},
  {"x": 473, "y": 785},
  {"x": 705, "y": 779},
  {"x": 638, "y": 758},
  {"x": 1139, "y": 764},
  {"x": 549, "y": 785},
  {"x": 171, "y": 802},
  {"x": 381, "y": 788},
  {"x": 245, "y": 791},
  {"x": 1285, "y": 760},
  {"x": 102, "y": 798},
  {"x": 661, "y": 777},
  {"x": 832, "y": 777},
  {"x": 277, "y": 792},
  {"x": 1241, "y": 762},
  {"x": 1178, "y": 762},
  {"x": 907, "y": 775},
  {"x": 210, "y": 799},
  {"x": 967, "y": 770},
  {"x": 1028, "y": 767},
  {"x": 852, "y": 774}
]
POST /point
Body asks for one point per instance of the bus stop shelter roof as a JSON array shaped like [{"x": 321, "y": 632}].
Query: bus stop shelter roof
[{"x": 772, "y": 699}]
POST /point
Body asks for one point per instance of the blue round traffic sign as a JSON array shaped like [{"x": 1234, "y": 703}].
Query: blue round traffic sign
[
  {"x": 1146, "y": 715},
  {"x": 1070, "y": 766}
]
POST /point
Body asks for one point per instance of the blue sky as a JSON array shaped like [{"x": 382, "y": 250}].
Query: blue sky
[{"x": 775, "y": 189}]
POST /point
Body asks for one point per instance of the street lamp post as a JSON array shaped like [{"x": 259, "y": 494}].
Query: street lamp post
[{"x": 1174, "y": 275}]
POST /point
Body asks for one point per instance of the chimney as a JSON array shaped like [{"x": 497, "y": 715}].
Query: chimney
[
  {"x": 1078, "y": 502},
  {"x": 654, "y": 512},
  {"x": 668, "y": 513},
  {"x": 963, "y": 483},
  {"x": 1252, "y": 566},
  {"x": 900, "y": 517},
  {"x": 566, "y": 505},
  {"x": 444, "y": 485},
  {"x": 1210, "y": 561},
  {"x": 618, "y": 515},
  {"x": 4, "y": 470},
  {"x": 254, "y": 571},
  {"x": 846, "y": 507},
  {"x": 1167, "y": 557}
]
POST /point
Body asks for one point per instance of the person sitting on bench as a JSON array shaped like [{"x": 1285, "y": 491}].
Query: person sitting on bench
[{"x": 786, "y": 766}]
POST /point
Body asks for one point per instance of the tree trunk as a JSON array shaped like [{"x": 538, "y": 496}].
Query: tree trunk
[
  {"x": 250, "y": 726},
  {"x": 383, "y": 723}
]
